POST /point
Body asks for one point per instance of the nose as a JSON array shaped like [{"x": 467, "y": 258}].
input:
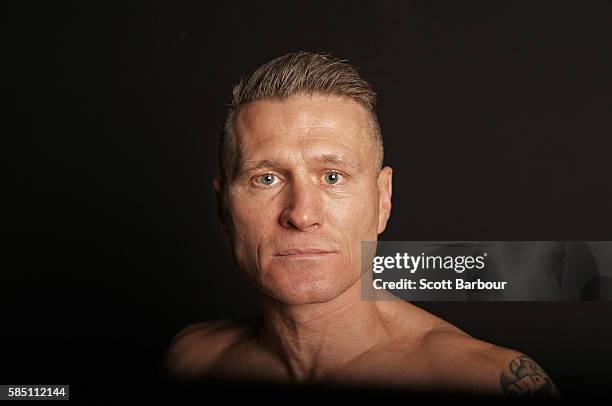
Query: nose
[{"x": 303, "y": 206}]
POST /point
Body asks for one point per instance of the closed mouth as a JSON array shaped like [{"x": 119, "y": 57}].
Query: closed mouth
[{"x": 303, "y": 253}]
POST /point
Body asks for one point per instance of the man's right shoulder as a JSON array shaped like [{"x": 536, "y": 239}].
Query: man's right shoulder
[{"x": 195, "y": 349}]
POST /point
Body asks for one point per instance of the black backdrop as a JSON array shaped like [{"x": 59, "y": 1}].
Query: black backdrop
[{"x": 495, "y": 117}]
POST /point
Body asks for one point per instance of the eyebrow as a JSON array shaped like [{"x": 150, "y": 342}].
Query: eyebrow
[
  {"x": 247, "y": 165},
  {"x": 340, "y": 160}
]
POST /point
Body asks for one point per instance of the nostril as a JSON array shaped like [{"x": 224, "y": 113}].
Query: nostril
[
  {"x": 301, "y": 219},
  {"x": 303, "y": 209}
]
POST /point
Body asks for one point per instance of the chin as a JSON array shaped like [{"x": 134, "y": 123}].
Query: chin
[{"x": 305, "y": 283}]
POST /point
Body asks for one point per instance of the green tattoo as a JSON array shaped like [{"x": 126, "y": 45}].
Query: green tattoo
[{"x": 527, "y": 379}]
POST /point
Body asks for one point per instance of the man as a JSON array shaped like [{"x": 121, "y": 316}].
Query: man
[{"x": 302, "y": 184}]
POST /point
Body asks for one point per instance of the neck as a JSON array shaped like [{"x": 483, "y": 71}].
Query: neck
[{"x": 314, "y": 339}]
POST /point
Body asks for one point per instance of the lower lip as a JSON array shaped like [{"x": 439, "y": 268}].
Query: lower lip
[{"x": 305, "y": 256}]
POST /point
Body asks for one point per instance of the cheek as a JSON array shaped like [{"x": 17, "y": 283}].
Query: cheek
[
  {"x": 249, "y": 215},
  {"x": 249, "y": 221},
  {"x": 355, "y": 215}
]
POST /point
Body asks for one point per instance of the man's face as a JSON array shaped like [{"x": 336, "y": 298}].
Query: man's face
[{"x": 306, "y": 193}]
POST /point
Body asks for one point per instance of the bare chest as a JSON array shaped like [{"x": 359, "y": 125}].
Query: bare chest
[{"x": 397, "y": 367}]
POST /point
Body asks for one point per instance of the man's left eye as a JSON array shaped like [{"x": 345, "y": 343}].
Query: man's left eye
[{"x": 332, "y": 177}]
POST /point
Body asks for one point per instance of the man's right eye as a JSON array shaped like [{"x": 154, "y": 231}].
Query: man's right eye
[{"x": 266, "y": 179}]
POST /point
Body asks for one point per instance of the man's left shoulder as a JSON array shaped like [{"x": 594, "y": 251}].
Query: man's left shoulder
[{"x": 476, "y": 366}]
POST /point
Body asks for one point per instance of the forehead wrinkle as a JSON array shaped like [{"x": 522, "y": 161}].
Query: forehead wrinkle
[
  {"x": 348, "y": 155},
  {"x": 256, "y": 117},
  {"x": 335, "y": 133},
  {"x": 302, "y": 127},
  {"x": 254, "y": 132}
]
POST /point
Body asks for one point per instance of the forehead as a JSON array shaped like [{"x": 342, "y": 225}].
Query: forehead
[{"x": 301, "y": 120}]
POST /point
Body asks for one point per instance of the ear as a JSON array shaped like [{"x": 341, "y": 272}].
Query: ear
[
  {"x": 218, "y": 186},
  {"x": 385, "y": 188}
]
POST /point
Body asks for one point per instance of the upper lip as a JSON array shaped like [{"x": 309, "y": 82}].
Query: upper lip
[{"x": 298, "y": 251}]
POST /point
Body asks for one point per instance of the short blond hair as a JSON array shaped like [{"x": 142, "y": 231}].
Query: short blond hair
[{"x": 298, "y": 73}]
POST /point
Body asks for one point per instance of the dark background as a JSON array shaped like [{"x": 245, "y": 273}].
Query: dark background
[{"x": 495, "y": 115}]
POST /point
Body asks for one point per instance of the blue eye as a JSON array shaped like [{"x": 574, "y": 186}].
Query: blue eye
[
  {"x": 267, "y": 179},
  {"x": 332, "y": 177}
]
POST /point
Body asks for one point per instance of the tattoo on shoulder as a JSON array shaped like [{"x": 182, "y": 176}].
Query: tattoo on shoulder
[{"x": 527, "y": 379}]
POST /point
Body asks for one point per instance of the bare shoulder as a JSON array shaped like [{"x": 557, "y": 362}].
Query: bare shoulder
[
  {"x": 196, "y": 348},
  {"x": 468, "y": 364},
  {"x": 440, "y": 356}
]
